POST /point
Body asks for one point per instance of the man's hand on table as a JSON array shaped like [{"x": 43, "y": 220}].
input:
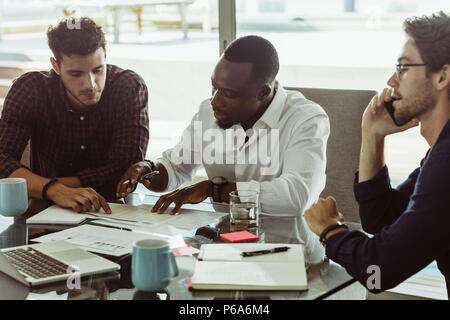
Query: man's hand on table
[
  {"x": 192, "y": 194},
  {"x": 79, "y": 199},
  {"x": 323, "y": 214}
]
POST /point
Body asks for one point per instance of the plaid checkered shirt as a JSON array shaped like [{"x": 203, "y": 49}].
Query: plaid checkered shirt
[{"x": 97, "y": 146}]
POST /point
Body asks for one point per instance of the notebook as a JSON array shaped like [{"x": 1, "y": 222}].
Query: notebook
[
  {"x": 44, "y": 263},
  {"x": 221, "y": 267}
]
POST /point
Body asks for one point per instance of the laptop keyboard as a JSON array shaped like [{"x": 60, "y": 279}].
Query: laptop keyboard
[{"x": 35, "y": 263}]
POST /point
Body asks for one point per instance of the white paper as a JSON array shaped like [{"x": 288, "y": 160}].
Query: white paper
[
  {"x": 159, "y": 229},
  {"x": 223, "y": 267},
  {"x": 248, "y": 275},
  {"x": 105, "y": 240},
  {"x": 57, "y": 215},
  {"x": 140, "y": 217},
  {"x": 187, "y": 219},
  {"x": 232, "y": 252},
  {"x": 427, "y": 286},
  {"x": 53, "y": 295}
]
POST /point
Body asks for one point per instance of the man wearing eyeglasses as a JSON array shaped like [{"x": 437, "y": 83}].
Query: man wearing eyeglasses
[{"x": 410, "y": 223}]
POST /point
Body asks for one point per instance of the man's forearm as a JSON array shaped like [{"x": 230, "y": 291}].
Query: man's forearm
[
  {"x": 371, "y": 159},
  {"x": 35, "y": 183},
  {"x": 72, "y": 182}
]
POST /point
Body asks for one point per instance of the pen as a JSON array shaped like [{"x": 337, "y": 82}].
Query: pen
[{"x": 260, "y": 252}]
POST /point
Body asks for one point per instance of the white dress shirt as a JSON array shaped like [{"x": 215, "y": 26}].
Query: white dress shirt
[{"x": 284, "y": 158}]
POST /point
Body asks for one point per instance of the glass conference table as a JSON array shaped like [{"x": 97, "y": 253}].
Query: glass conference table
[{"x": 325, "y": 280}]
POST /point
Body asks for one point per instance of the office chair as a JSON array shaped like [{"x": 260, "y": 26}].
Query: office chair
[
  {"x": 345, "y": 109},
  {"x": 26, "y": 156}
]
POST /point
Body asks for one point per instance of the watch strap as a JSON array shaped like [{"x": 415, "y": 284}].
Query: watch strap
[
  {"x": 217, "y": 187},
  {"x": 45, "y": 188},
  {"x": 323, "y": 235},
  {"x": 216, "y": 193}
]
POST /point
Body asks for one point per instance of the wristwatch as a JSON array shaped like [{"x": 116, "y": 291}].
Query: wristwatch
[
  {"x": 323, "y": 235},
  {"x": 218, "y": 182}
]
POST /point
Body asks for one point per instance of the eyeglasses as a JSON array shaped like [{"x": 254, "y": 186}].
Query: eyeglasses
[{"x": 399, "y": 68}]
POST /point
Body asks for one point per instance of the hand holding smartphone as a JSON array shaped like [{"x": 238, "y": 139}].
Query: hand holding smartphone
[
  {"x": 148, "y": 176},
  {"x": 390, "y": 109},
  {"x": 141, "y": 179}
]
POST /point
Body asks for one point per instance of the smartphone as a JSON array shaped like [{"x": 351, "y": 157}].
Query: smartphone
[
  {"x": 390, "y": 109},
  {"x": 148, "y": 176}
]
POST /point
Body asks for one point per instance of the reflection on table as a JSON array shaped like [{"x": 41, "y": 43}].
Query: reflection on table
[{"x": 324, "y": 279}]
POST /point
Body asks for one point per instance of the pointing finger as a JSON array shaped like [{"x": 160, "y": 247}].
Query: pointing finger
[{"x": 177, "y": 208}]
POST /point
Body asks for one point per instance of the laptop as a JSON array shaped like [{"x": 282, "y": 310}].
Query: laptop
[{"x": 37, "y": 264}]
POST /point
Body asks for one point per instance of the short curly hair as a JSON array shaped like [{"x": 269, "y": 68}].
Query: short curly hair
[
  {"x": 75, "y": 36},
  {"x": 257, "y": 51}
]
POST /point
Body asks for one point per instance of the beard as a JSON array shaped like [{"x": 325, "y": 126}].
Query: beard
[
  {"x": 78, "y": 98},
  {"x": 223, "y": 125},
  {"x": 417, "y": 105}
]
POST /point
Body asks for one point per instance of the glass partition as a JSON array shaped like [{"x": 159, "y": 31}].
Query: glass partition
[{"x": 348, "y": 44}]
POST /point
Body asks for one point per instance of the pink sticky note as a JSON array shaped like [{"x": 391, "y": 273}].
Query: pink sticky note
[
  {"x": 185, "y": 251},
  {"x": 241, "y": 236}
]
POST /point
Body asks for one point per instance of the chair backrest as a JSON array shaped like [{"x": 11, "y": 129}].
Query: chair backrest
[
  {"x": 345, "y": 109},
  {"x": 26, "y": 156}
]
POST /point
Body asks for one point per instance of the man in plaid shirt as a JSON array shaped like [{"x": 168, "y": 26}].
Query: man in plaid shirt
[{"x": 87, "y": 121}]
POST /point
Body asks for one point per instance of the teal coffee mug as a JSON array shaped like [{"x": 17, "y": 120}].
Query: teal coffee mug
[
  {"x": 13, "y": 196},
  {"x": 152, "y": 265}
]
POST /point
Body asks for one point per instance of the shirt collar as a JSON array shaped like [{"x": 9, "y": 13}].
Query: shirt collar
[
  {"x": 444, "y": 133},
  {"x": 273, "y": 113}
]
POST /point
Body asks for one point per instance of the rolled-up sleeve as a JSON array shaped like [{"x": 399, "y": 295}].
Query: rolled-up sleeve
[
  {"x": 183, "y": 160},
  {"x": 130, "y": 137},
  {"x": 303, "y": 171}
]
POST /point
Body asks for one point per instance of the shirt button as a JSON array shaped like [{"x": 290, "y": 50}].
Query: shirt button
[
  {"x": 81, "y": 118},
  {"x": 83, "y": 147}
]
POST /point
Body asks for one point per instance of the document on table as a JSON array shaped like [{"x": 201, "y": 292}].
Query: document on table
[
  {"x": 138, "y": 216},
  {"x": 57, "y": 215},
  {"x": 424, "y": 286},
  {"x": 142, "y": 216},
  {"x": 164, "y": 229},
  {"x": 105, "y": 240}
]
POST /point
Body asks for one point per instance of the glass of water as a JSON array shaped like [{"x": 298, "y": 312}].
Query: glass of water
[{"x": 244, "y": 209}]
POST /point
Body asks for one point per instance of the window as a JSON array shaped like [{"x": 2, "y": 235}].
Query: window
[
  {"x": 338, "y": 44},
  {"x": 321, "y": 43}
]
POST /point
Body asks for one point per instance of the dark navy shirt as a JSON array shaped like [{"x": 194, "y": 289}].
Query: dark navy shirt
[{"x": 410, "y": 223}]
